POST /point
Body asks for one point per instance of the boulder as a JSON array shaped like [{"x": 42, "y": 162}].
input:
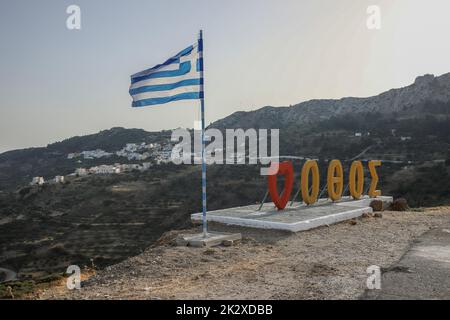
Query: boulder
[
  {"x": 376, "y": 205},
  {"x": 399, "y": 204}
]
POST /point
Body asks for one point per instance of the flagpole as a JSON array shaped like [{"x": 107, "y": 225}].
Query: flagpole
[{"x": 202, "y": 106}]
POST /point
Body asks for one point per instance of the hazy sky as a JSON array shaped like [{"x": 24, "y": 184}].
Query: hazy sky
[{"x": 56, "y": 83}]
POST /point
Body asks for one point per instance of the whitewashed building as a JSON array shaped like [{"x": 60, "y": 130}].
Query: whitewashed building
[
  {"x": 146, "y": 165},
  {"x": 59, "y": 179},
  {"x": 37, "y": 181},
  {"x": 72, "y": 155},
  {"x": 103, "y": 169},
  {"x": 81, "y": 172},
  {"x": 95, "y": 154}
]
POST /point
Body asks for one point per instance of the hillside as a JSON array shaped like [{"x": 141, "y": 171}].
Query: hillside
[
  {"x": 102, "y": 219},
  {"x": 18, "y": 167},
  {"x": 316, "y": 128},
  {"x": 324, "y": 263}
]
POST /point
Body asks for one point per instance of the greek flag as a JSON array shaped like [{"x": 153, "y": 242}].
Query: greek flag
[{"x": 179, "y": 78}]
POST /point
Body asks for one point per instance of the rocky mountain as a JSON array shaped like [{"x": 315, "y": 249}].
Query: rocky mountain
[
  {"x": 427, "y": 95},
  {"x": 419, "y": 110}
]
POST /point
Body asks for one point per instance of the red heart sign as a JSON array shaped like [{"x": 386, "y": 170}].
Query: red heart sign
[{"x": 286, "y": 169}]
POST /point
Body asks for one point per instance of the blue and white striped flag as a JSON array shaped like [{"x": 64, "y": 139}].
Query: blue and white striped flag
[{"x": 179, "y": 78}]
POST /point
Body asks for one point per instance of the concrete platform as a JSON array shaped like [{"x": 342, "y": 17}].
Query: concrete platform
[
  {"x": 213, "y": 239},
  {"x": 298, "y": 217}
]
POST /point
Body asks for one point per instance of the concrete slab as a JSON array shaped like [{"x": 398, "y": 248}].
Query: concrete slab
[
  {"x": 298, "y": 217},
  {"x": 213, "y": 239}
]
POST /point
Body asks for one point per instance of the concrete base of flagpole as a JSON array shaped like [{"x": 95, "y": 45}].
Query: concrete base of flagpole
[{"x": 212, "y": 239}]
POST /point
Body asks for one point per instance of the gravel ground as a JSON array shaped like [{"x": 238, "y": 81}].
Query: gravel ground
[{"x": 324, "y": 263}]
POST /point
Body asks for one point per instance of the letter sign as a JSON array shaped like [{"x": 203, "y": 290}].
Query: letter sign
[
  {"x": 335, "y": 180},
  {"x": 310, "y": 165},
  {"x": 286, "y": 169},
  {"x": 373, "y": 192},
  {"x": 356, "y": 179}
]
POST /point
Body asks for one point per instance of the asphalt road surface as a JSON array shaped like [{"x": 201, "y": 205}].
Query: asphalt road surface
[{"x": 422, "y": 273}]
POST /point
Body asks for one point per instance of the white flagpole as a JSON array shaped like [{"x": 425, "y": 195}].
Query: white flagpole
[{"x": 202, "y": 104}]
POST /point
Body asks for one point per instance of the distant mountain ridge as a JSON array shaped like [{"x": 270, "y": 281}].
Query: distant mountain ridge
[
  {"x": 434, "y": 92},
  {"x": 428, "y": 95}
]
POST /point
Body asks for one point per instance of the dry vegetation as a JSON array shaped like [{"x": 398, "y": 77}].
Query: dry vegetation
[{"x": 324, "y": 263}]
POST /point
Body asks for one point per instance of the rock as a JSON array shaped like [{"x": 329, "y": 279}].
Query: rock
[
  {"x": 376, "y": 205},
  {"x": 378, "y": 215},
  {"x": 171, "y": 238},
  {"x": 353, "y": 222},
  {"x": 399, "y": 204},
  {"x": 10, "y": 292},
  {"x": 229, "y": 243},
  {"x": 181, "y": 242}
]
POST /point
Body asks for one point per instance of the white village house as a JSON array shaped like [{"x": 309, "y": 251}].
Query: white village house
[
  {"x": 59, "y": 179},
  {"x": 81, "y": 172},
  {"x": 37, "y": 181}
]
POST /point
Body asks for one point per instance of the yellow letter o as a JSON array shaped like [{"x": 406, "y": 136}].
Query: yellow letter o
[
  {"x": 310, "y": 165},
  {"x": 356, "y": 179}
]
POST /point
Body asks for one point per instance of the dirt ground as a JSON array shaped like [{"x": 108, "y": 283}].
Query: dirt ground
[{"x": 324, "y": 263}]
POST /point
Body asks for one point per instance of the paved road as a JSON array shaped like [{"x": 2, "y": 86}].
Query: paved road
[
  {"x": 7, "y": 275},
  {"x": 422, "y": 273}
]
